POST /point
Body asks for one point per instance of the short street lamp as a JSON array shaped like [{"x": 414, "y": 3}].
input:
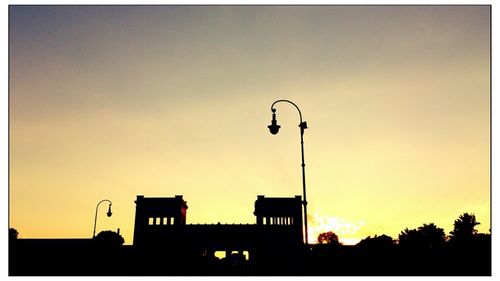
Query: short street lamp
[
  {"x": 274, "y": 128},
  {"x": 108, "y": 213}
]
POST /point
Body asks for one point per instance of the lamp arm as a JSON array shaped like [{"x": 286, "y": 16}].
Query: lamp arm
[{"x": 300, "y": 113}]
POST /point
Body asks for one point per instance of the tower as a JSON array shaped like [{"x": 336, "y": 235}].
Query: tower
[
  {"x": 280, "y": 212},
  {"x": 153, "y": 214}
]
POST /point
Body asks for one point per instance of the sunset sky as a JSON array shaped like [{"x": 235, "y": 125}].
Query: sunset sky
[{"x": 113, "y": 102}]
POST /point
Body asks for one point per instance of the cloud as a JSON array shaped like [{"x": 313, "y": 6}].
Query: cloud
[{"x": 348, "y": 231}]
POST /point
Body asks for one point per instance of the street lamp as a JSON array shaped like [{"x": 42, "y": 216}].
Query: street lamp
[
  {"x": 274, "y": 128},
  {"x": 108, "y": 213}
]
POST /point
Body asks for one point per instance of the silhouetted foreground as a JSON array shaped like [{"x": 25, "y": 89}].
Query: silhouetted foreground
[
  {"x": 76, "y": 257},
  {"x": 165, "y": 245}
]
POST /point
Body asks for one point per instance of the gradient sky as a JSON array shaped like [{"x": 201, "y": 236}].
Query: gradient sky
[{"x": 112, "y": 102}]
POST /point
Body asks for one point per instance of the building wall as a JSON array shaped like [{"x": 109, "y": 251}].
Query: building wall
[{"x": 160, "y": 224}]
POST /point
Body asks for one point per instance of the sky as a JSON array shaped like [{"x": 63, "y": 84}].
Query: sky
[{"x": 110, "y": 102}]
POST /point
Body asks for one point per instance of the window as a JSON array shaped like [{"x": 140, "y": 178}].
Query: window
[{"x": 151, "y": 221}]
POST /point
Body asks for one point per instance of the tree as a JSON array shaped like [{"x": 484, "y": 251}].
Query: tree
[
  {"x": 427, "y": 236},
  {"x": 13, "y": 234},
  {"x": 464, "y": 228},
  {"x": 329, "y": 238},
  {"x": 376, "y": 243},
  {"x": 109, "y": 239}
]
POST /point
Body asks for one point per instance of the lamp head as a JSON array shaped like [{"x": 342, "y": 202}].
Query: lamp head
[
  {"x": 274, "y": 127},
  {"x": 109, "y": 211}
]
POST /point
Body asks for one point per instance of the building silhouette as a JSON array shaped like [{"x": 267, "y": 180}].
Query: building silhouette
[{"x": 160, "y": 226}]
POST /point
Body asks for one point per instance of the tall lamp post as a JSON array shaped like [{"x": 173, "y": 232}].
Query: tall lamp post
[
  {"x": 274, "y": 128},
  {"x": 108, "y": 213}
]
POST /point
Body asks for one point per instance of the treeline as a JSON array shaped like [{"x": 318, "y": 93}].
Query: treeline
[{"x": 426, "y": 250}]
